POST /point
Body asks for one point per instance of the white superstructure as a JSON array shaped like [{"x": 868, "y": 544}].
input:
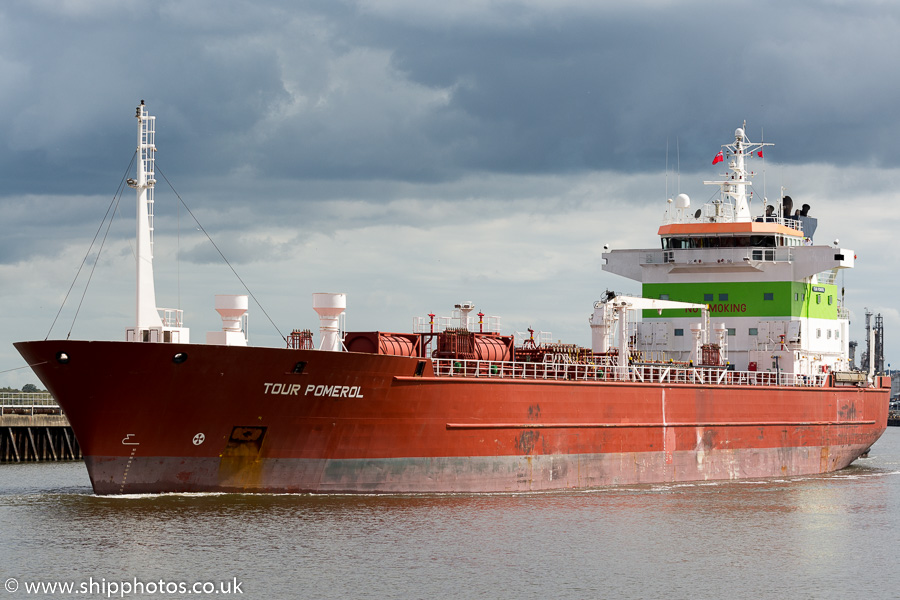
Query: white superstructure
[{"x": 772, "y": 293}]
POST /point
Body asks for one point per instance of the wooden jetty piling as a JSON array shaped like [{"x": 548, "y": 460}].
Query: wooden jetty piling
[{"x": 34, "y": 428}]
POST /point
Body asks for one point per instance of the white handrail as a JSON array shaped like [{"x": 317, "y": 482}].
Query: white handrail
[{"x": 609, "y": 371}]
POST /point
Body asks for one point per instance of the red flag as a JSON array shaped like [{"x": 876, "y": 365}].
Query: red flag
[
  {"x": 759, "y": 153},
  {"x": 719, "y": 158}
]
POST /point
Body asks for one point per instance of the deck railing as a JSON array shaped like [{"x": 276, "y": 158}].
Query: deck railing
[
  {"x": 28, "y": 403},
  {"x": 718, "y": 212},
  {"x": 721, "y": 256},
  {"x": 642, "y": 373}
]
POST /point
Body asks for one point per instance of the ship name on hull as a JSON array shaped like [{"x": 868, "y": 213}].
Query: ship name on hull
[{"x": 331, "y": 391}]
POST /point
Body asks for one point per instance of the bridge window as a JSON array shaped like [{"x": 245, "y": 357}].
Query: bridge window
[
  {"x": 768, "y": 296},
  {"x": 679, "y": 332},
  {"x": 764, "y": 241},
  {"x": 753, "y": 331},
  {"x": 723, "y": 297}
]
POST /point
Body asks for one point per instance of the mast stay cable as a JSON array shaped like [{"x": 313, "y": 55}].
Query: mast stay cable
[
  {"x": 233, "y": 270},
  {"x": 113, "y": 205}
]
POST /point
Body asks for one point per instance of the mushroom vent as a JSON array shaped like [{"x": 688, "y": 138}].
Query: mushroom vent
[
  {"x": 231, "y": 309},
  {"x": 329, "y": 305}
]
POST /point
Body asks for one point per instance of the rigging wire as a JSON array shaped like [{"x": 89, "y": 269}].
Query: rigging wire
[
  {"x": 190, "y": 212},
  {"x": 762, "y": 141},
  {"x": 112, "y": 203},
  {"x": 178, "y": 255},
  {"x": 94, "y": 267},
  {"x": 37, "y": 364}
]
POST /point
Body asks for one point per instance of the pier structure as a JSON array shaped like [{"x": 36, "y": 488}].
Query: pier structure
[{"x": 34, "y": 428}]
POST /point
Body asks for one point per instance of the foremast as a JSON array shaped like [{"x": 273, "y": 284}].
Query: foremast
[
  {"x": 149, "y": 326},
  {"x": 147, "y": 316}
]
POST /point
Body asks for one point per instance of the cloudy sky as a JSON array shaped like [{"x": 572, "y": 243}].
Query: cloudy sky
[{"x": 419, "y": 154}]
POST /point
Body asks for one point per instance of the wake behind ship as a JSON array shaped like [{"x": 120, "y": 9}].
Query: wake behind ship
[{"x": 732, "y": 363}]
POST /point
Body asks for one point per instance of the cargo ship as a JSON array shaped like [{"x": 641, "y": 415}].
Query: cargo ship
[{"x": 731, "y": 363}]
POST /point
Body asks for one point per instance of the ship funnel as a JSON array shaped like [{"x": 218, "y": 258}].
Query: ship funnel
[
  {"x": 787, "y": 205},
  {"x": 330, "y": 307},
  {"x": 232, "y": 309}
]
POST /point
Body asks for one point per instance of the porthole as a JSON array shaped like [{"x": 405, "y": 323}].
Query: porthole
[
  {"x": 179, "y": 357},
  {"x": 62, "y": 358}
]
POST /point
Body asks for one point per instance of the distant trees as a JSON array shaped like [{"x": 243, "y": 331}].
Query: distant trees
[{"x": 28, "y": 388}]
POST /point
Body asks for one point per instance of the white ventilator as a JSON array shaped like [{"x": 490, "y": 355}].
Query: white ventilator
[
  {"x": 232, "y": 309},
  {"x": 330, "y": 307}
]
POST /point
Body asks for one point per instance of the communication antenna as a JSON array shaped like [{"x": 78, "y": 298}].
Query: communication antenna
[
  {"x": 762, "y": 139},
  {"x": 677, "y": 165}
]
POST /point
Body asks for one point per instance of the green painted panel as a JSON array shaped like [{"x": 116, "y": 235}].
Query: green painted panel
[{"x": 748, "y": 299}]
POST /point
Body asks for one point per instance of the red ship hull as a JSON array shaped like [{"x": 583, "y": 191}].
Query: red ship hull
[{"x": 238, "y": 419}]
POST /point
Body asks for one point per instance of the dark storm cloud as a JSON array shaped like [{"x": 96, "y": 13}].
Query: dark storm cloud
[
  {"x": 73, "y": 73},
  {"x": 353, "y": 91},
  {"x": 416, "y": 154},
  {"x": 46, "y": 225},
  {"x": 603, "y": 88}
]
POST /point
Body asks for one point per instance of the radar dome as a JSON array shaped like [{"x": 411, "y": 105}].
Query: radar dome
[
  {"x": 682, "y": 201},
  {"x": 739, "y": 133}
]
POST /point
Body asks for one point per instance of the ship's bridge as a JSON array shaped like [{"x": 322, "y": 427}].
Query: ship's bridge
[
  {"x": 730, "y": 250},
  {"x": 683, "y": 236},
  {"x": 765, "y": 239}
]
